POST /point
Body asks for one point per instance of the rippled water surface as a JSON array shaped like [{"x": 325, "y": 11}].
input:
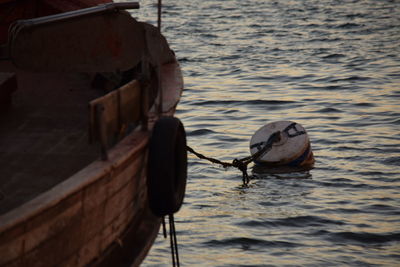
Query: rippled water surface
[{"x": 332, "y": 66}]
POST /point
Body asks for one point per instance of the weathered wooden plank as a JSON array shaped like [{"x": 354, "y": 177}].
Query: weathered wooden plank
[
  {"x": 58, "y": 248},
  {"x": 121, "y": 221},
  {"x": 16, "y": 263},
  {"x": 93, "y": 222},
  {"x": 107, "y": 237},
  {"x": 89, "y": 251},
  {"x": 28, "y": 235},
  {"x": 12, "y": 234},
  {"x": 52, "y": 222},
  {"x": 121, "y": 177},
  {"x": 95, "y": 194},
  {"x": 121, "y": 209},
  {"x": 172, "y": 87},
  {"x": 172, "y": 82},
  {"x": 119, "y": 201},
  {"x": 130, "y": 104},
  {"x": 11, "y": 250},
  {"x": 104, "y": 117},
  {"x": 71, "y": 261},
  {"x": 113, "y": 232}
]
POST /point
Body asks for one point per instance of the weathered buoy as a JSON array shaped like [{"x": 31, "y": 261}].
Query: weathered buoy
[{"x": 293, "y": 148}]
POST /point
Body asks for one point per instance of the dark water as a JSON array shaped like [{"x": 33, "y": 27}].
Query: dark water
[{"x": 332, "y": 66}]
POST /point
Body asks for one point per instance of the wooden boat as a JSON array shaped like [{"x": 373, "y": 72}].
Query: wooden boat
[{"x": 91, "y": 155}]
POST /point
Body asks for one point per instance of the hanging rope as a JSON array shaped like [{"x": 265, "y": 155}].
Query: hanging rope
[
  {"x": 173, "y": 239},
  {"x": 241, "y": 164},
  {"x": 159, "y": 5}
]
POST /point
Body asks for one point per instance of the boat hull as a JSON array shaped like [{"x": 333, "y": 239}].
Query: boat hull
[
  {"x": 78, "y": 220},
  {"x": 97, "y": 216}
]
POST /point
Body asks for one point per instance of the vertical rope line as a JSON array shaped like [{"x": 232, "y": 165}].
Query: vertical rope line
[
  {"x": 164, "y": 227},
  {"x": 160, "y": 107},
  {"x": 159, "y": 15},
  {"x": 175, "y": 240},
  {"x": 171, "y": 219}
]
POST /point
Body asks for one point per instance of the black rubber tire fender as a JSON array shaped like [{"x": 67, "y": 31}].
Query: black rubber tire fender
[{"x": 167, "y": 166}]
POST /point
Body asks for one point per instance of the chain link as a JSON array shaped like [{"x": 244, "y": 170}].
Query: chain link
[{"x": 241, "y": 164}]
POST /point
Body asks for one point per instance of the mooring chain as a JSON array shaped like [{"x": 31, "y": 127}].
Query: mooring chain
[{"x": 241, "y": 164}]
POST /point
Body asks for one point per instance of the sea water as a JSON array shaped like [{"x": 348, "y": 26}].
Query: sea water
[{"x": 332, "y": 66}]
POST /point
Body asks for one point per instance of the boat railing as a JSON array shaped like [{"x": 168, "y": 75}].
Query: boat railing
[
  {"x": 114, "y": 115},
  {"x": 100, "y": 9},
  {"x": 98, "y": 39}
]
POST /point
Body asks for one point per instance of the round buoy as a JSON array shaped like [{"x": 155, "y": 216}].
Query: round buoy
[{"x": 293, "y": 148}]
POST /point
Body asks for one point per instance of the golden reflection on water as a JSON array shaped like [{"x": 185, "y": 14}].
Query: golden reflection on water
[{"x": 341, "y": 87}]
